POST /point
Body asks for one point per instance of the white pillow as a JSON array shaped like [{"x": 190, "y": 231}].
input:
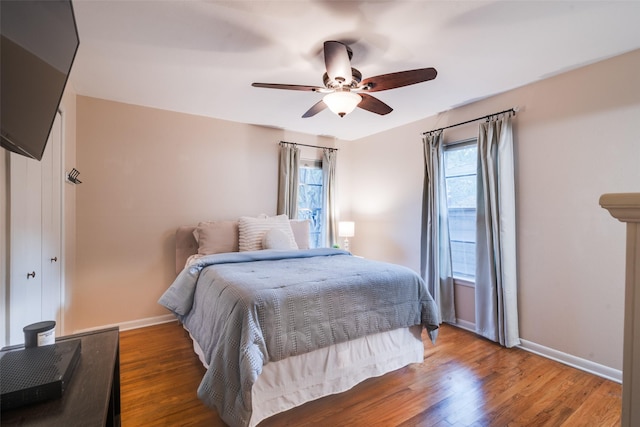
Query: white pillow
[
  {"x": 252, "y": 230},
  {"x": 276, "y": 239}
]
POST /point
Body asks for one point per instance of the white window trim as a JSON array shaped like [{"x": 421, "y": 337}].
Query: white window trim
[
  {"x": 453, "y": 145},
  {"x": 464, "y": 282}
]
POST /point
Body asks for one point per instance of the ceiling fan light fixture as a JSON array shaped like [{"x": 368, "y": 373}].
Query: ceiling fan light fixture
[
  {"x": 344, "y": 87},
  {"x": 342, "y": 102}
]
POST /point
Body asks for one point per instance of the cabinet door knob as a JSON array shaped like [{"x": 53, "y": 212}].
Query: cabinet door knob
[
  {"x": 32, "y": 274},
  {"x": 54, "y": 259}
]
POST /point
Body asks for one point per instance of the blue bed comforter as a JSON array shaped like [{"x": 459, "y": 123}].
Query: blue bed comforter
[{"x": 248, "y": 308}]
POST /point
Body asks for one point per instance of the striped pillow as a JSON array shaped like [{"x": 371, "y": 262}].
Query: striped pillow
[{"x": 252, "y": 230}]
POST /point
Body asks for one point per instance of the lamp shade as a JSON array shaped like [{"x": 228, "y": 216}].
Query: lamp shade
[
  {"x": 342, "y": 103},
  {"x": 346, "y": 229}
]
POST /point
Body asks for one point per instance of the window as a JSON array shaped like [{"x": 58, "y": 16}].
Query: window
[
  {"x": 310, "y": 198},
  {"x": 460, "y": 168}
]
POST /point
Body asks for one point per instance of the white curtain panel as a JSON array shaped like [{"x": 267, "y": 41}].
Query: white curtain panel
[
  {"x": 435, "y": 249},
  {"x": 329, "y": 158},
  {"x": 496, "y": 271},
  {"x": 288, "y": 180}
]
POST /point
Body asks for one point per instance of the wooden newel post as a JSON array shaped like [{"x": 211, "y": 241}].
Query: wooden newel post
[{"x": 626, "y": 208}]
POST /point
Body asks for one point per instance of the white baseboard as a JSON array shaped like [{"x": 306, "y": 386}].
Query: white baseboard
[
  {"x": 574, "y": 361},
  {"x": 134, "y": 324},
  {"x": 463, "y": 324},
  {"x": 558, "y": 356}
]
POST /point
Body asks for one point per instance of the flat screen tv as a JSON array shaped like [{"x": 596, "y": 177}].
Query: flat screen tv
[{"x": 38, "y": 45}]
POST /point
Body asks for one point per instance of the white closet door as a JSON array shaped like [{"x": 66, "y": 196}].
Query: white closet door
[
  {"x": 35, "y": 223},
  {"x": 25, "y": 265},
  {"x": 52, "y": 227}
]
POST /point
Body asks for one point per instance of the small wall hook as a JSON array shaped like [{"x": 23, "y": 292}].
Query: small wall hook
[{"x": 72, "y": 176}]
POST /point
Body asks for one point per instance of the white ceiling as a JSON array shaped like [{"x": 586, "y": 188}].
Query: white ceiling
[{"x": 201, "y": 56}]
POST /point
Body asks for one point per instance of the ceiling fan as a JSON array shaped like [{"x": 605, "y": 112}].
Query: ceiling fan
[{"x": 344, "y": 88}]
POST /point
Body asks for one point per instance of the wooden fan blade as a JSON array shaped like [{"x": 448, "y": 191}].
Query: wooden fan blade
[
  {"x": 288, "y": 87},
  {"x": 336, "y": 59},
  {"x": 374, "y": 105},
  {"x": 317, "y": 107},
  {"x": 399, "y": 79}
]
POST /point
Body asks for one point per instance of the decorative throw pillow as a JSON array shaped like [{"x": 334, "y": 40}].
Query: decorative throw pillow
[
  {"x": 276, "y": 239},
  {"x": 301, "y": 229},
  {"x": 216, "y": 237},
  {"x": 252, "y": 230}
]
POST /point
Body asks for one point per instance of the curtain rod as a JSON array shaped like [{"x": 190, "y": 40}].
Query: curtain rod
[
  {"x": 514, "y": 110},
  {"x": 306, "y": 145}
]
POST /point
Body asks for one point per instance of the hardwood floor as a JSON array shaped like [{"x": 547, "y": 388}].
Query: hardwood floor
[{"x": 464, "y": 381}]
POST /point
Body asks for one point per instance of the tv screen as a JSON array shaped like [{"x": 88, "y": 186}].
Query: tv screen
[{"x": 39, "y": 41}]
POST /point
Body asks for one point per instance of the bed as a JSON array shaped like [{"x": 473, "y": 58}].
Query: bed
[{"x": 277, "y": 324}]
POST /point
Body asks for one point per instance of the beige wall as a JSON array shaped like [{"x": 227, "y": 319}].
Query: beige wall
[
  {"x": 577, "y": 137},
  {"x": 145, "y": 172}
]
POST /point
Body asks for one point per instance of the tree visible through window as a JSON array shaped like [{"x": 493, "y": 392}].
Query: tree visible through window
[
  {"x": 460, "y": 169},
  {"x": 310, "y": 199}
]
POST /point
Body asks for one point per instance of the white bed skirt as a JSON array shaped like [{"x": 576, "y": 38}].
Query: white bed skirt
[{"x": 288, "y": 383}]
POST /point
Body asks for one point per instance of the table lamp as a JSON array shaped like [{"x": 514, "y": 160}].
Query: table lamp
[{"x": 346, "y": 229}]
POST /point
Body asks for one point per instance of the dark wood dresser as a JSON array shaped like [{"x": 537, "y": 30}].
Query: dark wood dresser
[{"x": 92, "y": 397}]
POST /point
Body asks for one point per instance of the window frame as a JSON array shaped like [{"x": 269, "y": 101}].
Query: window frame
[
  {"x": 311, "y": 164},
  {"x": 454, "y": 145}
]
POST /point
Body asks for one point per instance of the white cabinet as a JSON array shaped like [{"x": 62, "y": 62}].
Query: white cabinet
[{"x": 35, "y": 238}]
